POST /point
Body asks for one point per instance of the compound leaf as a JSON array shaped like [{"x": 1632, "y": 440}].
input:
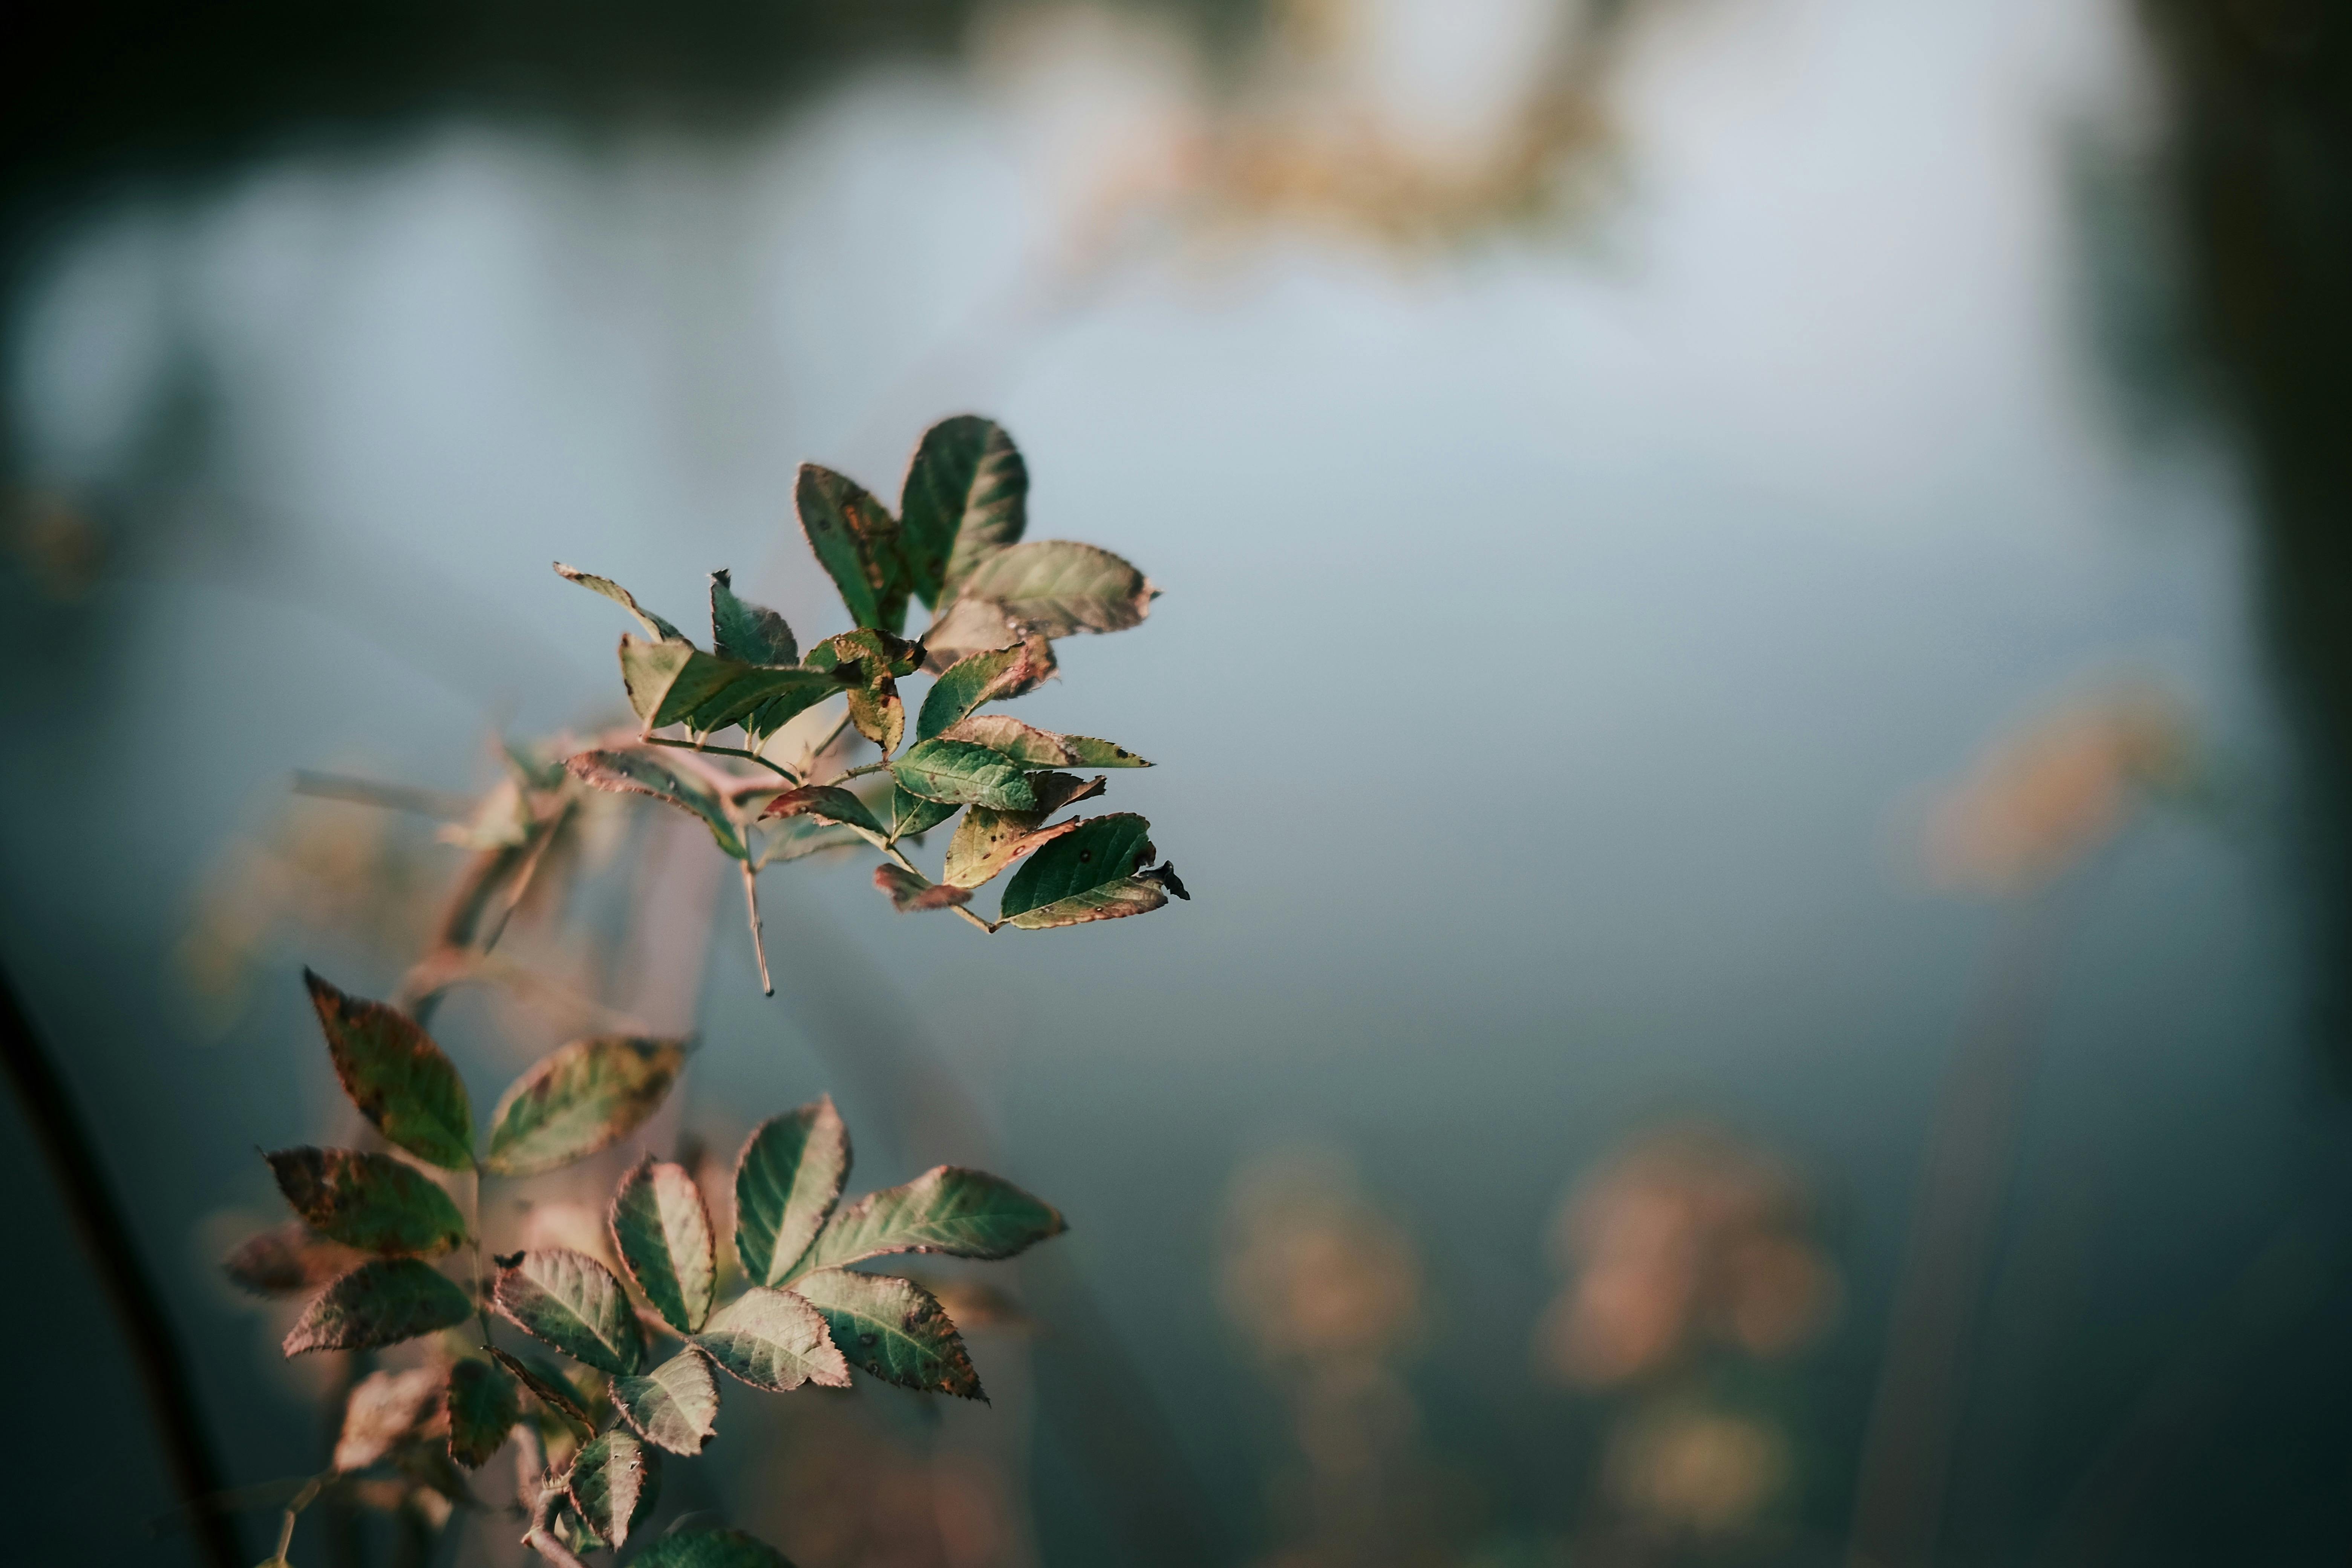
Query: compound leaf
[
  {"x": 1025, "y": 743},
  {"x": 381, "y": 1302},
  {"x": 987, "y": 677},
  {"x": 787, "y": 1181},
  {"x": 662, "y": 1233},
  {"x": 774, "y": 1339},
  {"x": 396, "y": 1076},
  {"x": 894, "y": 1329},
  {"x": 373, "y": 1202},
  {"x": 674, "y": 1406},
  {"x": 570, "y": 1300},
  {"x": 958, "y": 772},
  {"x": 484, "y": 1404},
  {"x": 750, "y": 633},
  {"x": 612, "y": 1482},
  {"x": 711, "y": 1548},
  {"x": 623, "y": 598},
  {"x": 948, "y": 1209},
  {"x": 636, "y": 770},
  {"x": 1056, "y": 588},
  {"x": 579, "y": 1099},
  {"x": 856, "y": 538},
  {"x": 966, "y": 497}
]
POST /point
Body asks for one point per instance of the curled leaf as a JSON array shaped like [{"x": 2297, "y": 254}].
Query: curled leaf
[
  {"x": 787, "y": 1179},
  {"x": 638, "y": 770},
  {"x": 483, "y": 1405},
  {"x": 396, "y": 1076},
  {"x": 828, "y": 803},
  {"x": 623, "y": 598},
  {"x": 911, "y": 893},
  {"x": 965, "y": 498},
  {"x": 774, "y": 1339},
  {"x": 894, "y": 1329},
  {"x": 750, "y": 633},
  {"x": 372, "y": 1202},
  {"x": 570, "y": 1300},
  {"x": 579, "y": 1099},
  {"x": 674, "y": 1406},
  {"x": 663, "y": 1234},
  {"x": 379, "y": 1303},
  {"x": 948, "y": 1209},
  {"x": 856, "y": 538}
]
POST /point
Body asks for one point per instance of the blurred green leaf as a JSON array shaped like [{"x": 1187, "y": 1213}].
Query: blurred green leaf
[
  {"x": 988, "y": 677},
  {"x": 1088, "y": 752},
  {"x": 856, "y": 540},
  {"x": 1056, "y": 588},
  {"x": 396, "y": 1076},
  {"x": 1025, "y": 743},
  {"x": 663, "y": 1234},
  {"x": 948, "y": 1209},
  {"x": 966, "y": 497},
  {"x": 373, "y": 1202},
  {"x": 958, "y": 772},
  {"x": 551, "y": 1388},
  {"x": 711, "y": 1548},
  {"x": 987, "y": 841},
  {"x": 579, "y": 1099},
  {"x": 623, "y": 598},
  {"x": 674, "y": 1406},
  {"x": 570, "y": 1300},
  {"x": 750, "y": 633},
  {"x": 483, "y": 1405},
  {"x": 1088, "y": 875},
  {"x": 787, "y": 1179},
  {"x": 894, "y": 1329},
  {"x": 286, "y": 1260},
  {"x": 383, "y": 1409},
  {"x": 801, "y": 836},
  {"x": 774, "y": 1339},
  {"x": 381, "y": 1302},
  {"x": 614, "y": 1482},
  {"x": 639, "y": 769},
  {"x": 911, "y": 893}
]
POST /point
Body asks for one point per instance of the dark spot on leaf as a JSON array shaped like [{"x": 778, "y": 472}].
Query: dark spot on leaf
[
  {"x": 1084, "y": 856},
  {"x": 507, "y": 1259}
]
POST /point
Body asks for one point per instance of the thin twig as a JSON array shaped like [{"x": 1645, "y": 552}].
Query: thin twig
[
  {"x": 708, "y": 749},
  {"x": 547, "y": 834},
  {"x": 752, "y": 911}
]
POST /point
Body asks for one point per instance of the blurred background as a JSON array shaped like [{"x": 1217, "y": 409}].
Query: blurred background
[{"x": 1753, "y": 688}]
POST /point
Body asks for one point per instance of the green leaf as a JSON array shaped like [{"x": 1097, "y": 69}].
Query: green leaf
[
  {"x": 804, "y": 836},
  {"x": 910, "y": 892},
  {"x": 673, "y": 683},
  {"x": 948, "y": 1209},
  {"x": 750, "y": 633},
  {"x": 379, "y": 1303},
  {"x": 674, "y": 1406},
  {"x": 614, "y": 1482},
  {"x": 579, "y": 1099},
  {"x": 988, "y": 677},
  {"x": 957, "y": 772},
  {"x": 762, "y": 700},
  {"x": 911, "y": 815},
  {"x": 966, "y": 497},
  {"x": 483, "y": 1405},
  {"x": 829, "y": 803},
  {"x": 396, "y": 1076},
  {"x": 894, "y": 1329},
  {"x": 866, "y": 654},
  {"x": 787, "y": 1179},
  {"x": 774, "y": 1339},
  {"x": 856, "y": 540},
  {"x": 1056, "y": 588},
  {"x": 1025, "y": 743},
  {"x": 373, "y": 1202},
  {"x": 623, "y": 598},
  {"x": 1089, "y": 875},
  {"x": 987, "y": 841},
  {"x": 636, "y": 770},
  {"x": 551, "y": 1388},
  {"x": 1088, "y": 752},
  {"x": 663, "y": 1234},
  {"x": 711, "y": 1548},
  {"x": 570, "y": 1300}
]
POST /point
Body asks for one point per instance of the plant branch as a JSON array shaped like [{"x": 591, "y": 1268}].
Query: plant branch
[
  {"x": 708, "y": 749},
  {"x": 301, "y": 1500},
  {"x": 106, "y": 1236},
  {"x": 752, "y": 911}
]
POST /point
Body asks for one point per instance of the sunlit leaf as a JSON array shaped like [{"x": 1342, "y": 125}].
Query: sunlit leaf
[
  {"x": 711, "y": 1548},
  {"x": 856, "y": 538},
  {"x": 551, "y": 1388},
  {"x": 987, "y": 841},
  {"x": 965, "y": 498},
  {"x": 638, "y": 770},
  {"x": 774, "y": 1339},
  {"x": 381, "y": 1302},
  {"x": 787, "y": 1179},
  {"x": 959, "y": 772},
  {"x": 287, "y": 1260},
  {"x": 912, "y": 893},
  {"x": 741, "y": 630},
  {"x": 1055, "y": 587},
  {"x": 894, "y": 1329},
  {"x": 1088, "y": 875},
  {"x": 662, "y": 1233},
  {"x": 579, "y": 1099},
  {"x": 373, "y": 1202},
  {"x": 623, "y": 598},
  {"x": 614, "y": 1482},
  {"x": 570, "y": 1300},
  {"x": 987, "y": 677},
  {"x": 964, "y": 1214},
  {"x": 674, "y": 1406},
  {"x": 911, "y": 815},
  {"x": 484, "y": 1404},
  {"x": 384, "y": 1408},
  {"x": 1088, "y": 752},
  {"x": 396, "y": 1076},
  {"x": 1025, "y": 743}
]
